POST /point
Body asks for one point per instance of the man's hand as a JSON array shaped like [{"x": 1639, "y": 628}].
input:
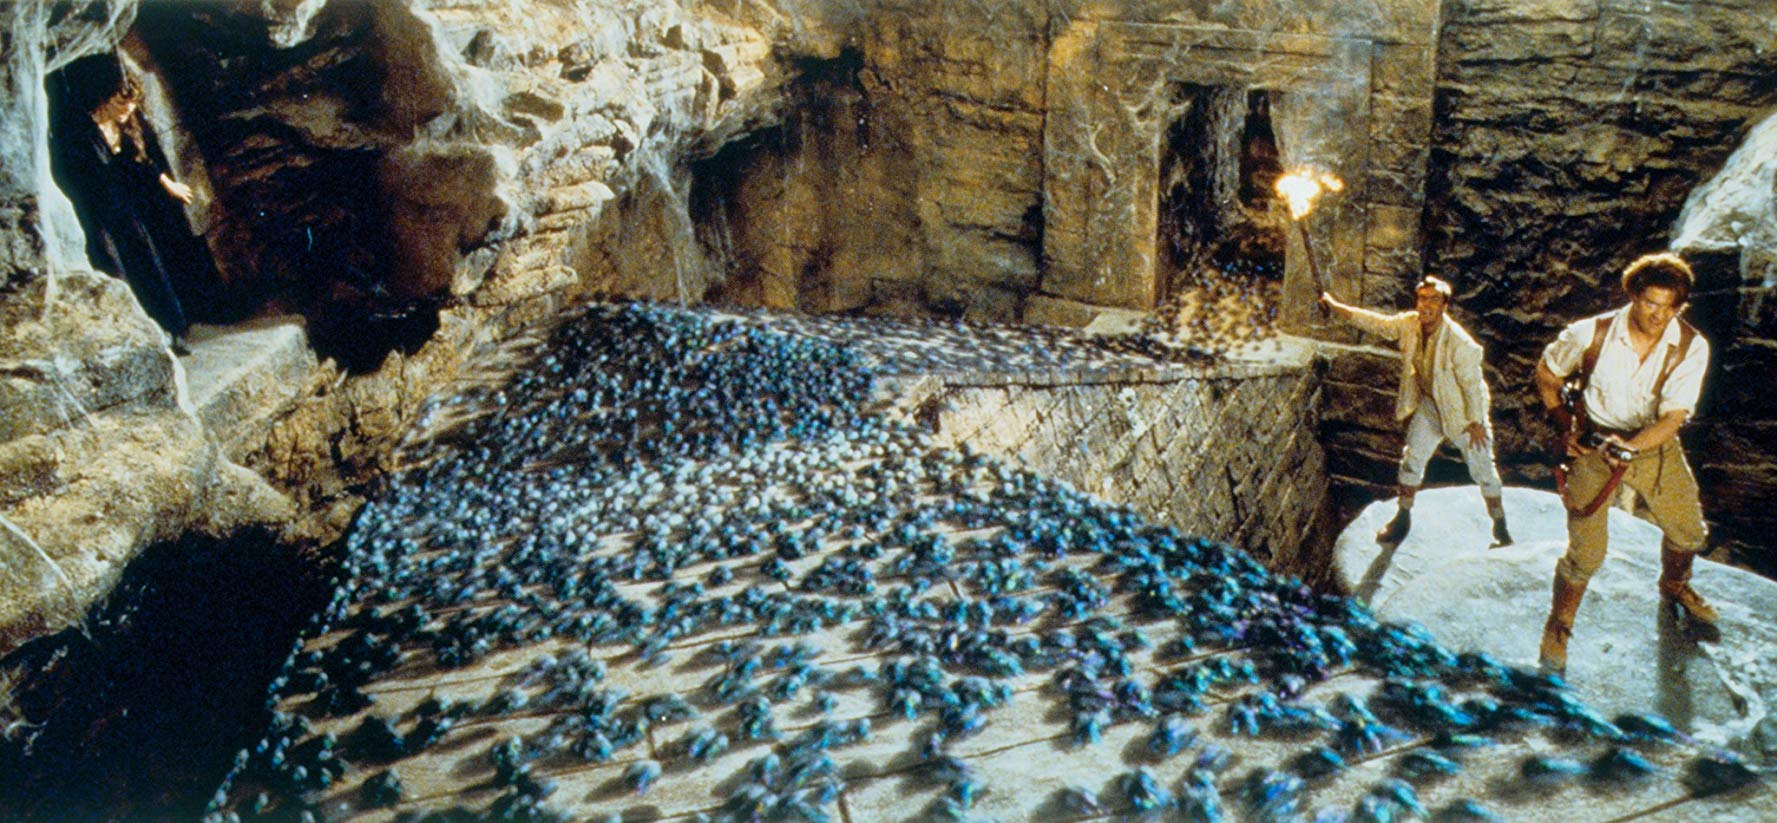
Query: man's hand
[
  {"x": 1477, "y": 435},
  {"x": 1614, "y": 445}
]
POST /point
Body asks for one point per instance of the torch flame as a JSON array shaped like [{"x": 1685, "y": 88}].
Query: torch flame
[{"x": 1302, "y": 188}]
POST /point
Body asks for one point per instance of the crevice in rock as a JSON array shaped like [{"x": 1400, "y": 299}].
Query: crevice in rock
[
  {"x": 791, "y": 209},
  {"x": 103, "y": 719}
]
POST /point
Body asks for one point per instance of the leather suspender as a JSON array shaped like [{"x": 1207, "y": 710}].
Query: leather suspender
[
  {"x": 1600, "y": 327},
  {"x": 1686, "y": 333},
  {"x": 1674, "y": 356}
]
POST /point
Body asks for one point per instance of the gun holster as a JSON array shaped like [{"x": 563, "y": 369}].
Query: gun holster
[{"x": 1573, "y": 400}]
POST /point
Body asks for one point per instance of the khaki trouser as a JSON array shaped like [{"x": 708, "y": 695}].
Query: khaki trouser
[
  {"x": 1663, "y": 480},
  {"x": 1425, "y": 431}
]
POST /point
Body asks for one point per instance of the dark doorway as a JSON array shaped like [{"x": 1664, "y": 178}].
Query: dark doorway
[
  {"x": 1260, "y": 163},
  {"x": 1220, "y": 240},
  {"x": 125, "y": 192}
]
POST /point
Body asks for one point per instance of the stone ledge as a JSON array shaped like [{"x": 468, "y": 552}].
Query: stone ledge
[
  {"x": 1264, "y": 359},
  {"x": 241, "y": 376},
  {"x": 1626, "y": 654}
]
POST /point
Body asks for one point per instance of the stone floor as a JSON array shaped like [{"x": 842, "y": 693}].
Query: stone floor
[
  {"x": 1627, "y": 653},
  {"x": 674, "y": 571}
]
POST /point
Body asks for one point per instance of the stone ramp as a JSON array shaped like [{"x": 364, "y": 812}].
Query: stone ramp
[
  {"x": 241, "y": 376},
  {"x": 574, "y": 593}
]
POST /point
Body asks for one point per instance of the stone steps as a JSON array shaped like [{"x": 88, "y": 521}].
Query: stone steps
[{"x": 241, "y": 376}]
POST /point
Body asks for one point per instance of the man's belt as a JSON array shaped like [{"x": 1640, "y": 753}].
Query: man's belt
[
  {"x": 1593, "y": 438},
  {"x": 1589, "y": 436}
]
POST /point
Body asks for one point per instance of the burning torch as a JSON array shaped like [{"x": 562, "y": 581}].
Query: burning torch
[{"x": 1301, "y": 188}]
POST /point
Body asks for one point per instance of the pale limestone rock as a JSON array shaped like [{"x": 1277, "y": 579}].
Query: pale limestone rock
[
  {"x": 1624, "y": 656},
  {"x": 244, "y": 375},
  {"x": 100, "y": 452},
  {"x": 1736, "y": 210}
]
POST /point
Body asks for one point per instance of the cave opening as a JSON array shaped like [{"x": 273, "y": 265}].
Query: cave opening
[
  {"x": 135, "y": 713},
  {"x": 1220, "y": 233},
  {"x": 114, "y": 171},
  {"x": 289, "y": 225},
  {"x": 772, "y": 207}
]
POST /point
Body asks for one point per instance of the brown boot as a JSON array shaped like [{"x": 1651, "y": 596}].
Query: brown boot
[
  {"x": 1675, "y": 585},
  {"x": 1496, "y": 509},
  {"x": 1563, "y": 605},
  {"x": 1396, "y": 530}
]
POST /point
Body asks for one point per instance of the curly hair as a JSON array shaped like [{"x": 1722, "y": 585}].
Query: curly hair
[
  {"x": 126, "y": 90},
  {"x": 1664, "y": 270}
]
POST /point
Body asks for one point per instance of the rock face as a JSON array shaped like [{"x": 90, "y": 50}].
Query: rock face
[
  {"x": 1568, "y": 137},
  {"x": 1729, "y": 225},
  {"x": 100, "y": 452}
]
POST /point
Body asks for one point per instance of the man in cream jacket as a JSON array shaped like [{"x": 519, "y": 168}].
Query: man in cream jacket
[{"x": 1443, "y": 396}]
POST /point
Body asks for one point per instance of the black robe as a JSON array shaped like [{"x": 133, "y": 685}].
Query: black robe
[{"x": 134, "y": 228}]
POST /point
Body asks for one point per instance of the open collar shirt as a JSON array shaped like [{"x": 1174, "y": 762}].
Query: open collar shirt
[{"x": 1620, "y": 393}]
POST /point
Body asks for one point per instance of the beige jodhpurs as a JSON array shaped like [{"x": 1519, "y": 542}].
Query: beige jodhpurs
[{"x": 1663, "y": 480}]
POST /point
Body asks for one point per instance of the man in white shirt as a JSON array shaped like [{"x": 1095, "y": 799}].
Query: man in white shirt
[
  {"x": 1646, "y": 369},
  {"x": 1443, "y": 396}
]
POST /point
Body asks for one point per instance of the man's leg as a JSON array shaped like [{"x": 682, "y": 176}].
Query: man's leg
[
  {"x": 1486, "y": 475},
  {"x": 1423, "y": 436},
  {"x": 1665, "y": 482},
  {"x": 1587, "y": 539}
]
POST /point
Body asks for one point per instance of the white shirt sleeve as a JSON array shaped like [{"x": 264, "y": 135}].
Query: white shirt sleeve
[
  {"x": 1387, "y": 326},
  {"x": 1473, "y": 383},
  {"x": 1686, "y": 380},
  {"x": 1563, "y": 354}
]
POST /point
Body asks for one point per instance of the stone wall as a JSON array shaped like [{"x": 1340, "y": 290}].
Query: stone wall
[
  {"x": 1005, "y": 163},
  {"x": 1357, "y": 413},
  {"x": 1230, "y": 452}
]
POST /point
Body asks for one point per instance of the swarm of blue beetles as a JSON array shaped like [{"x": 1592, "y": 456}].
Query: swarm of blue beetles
[{"x": 656, "y": 475}]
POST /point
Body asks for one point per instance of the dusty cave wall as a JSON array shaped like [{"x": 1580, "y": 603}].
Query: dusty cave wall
[
  {"x": 1568, "y": 137},
  {"x": 907, "y": 179},
  {"x": 489, "y": 163}
]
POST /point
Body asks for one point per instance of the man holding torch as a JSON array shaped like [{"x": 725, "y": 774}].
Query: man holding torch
[{"x": 1443, "y": 396}]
